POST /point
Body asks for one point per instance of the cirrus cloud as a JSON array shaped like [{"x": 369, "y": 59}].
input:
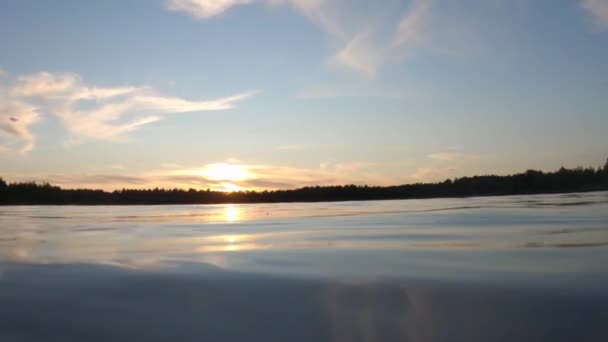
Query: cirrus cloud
[
  {"x": 89, "y": 111},
  {"x": 598, "y": 9},
  {"x": 204, "y": 8},
  {"x": 16, "y": 117},
  {"x": 223, "y": 176},
  {"x": 364, "y": 47}
]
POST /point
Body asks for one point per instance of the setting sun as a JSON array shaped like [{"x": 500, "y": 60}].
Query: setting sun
[
  {"x": 303, "y": 170},
  {"x": 229, "y": 187},
  {"x": 225, "y": 172}
]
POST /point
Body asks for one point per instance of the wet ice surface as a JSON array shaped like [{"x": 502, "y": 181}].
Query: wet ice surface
[{"x": 522, "y": 268}]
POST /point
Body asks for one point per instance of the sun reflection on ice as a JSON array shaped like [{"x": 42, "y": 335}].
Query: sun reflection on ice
[
  {"x": 228, "y": 243},
  {"x": 232, "y": 213}
]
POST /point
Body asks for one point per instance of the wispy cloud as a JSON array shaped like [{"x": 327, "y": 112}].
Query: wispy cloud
[
  {"x": 204, "y": 8},
  {"x": 598, "y": 10},
  {"x": 232, "y": 175},
  {"x": 228, "y": 176},
  {"x": 368, "y": 50},
  {"x": 315, "y": 10},
  {"x": 361, "y": 54},
  {"x": 223, "y": 176},
  {"x": 89, "y": 111},
  {"x": 364, "y": 47},
  {"x": 16, "y": 119},
  {"x": 410, "y": 24}
]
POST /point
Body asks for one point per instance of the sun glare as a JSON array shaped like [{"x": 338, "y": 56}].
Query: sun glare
[
  {"x": 220, "y": 176},
  {"x": 225, "y": 172},
  {"x": 231, "y": 213},
  {"x": 229, "y": 187}
]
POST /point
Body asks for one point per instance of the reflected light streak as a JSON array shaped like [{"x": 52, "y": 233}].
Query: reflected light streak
[
  {"x": 230, "y": 243},
  {"x": 232, "y": 213}
]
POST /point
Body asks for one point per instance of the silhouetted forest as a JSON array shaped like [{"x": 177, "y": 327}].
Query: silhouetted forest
[{"x": 529, "y": 182}]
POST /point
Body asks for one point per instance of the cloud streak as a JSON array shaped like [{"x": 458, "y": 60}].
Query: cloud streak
[
  {"x": 89, "y": 111},
  {"x": 204, "y": 8},
  {"x": 223, "y": 176},
  {"x": 229, "y": 176},
  {"x": 367, "y": 51},
  {"x": 16, "y": 119},
  {"x": 363, "y": 47},
  {"x": 598, "y": 9}
]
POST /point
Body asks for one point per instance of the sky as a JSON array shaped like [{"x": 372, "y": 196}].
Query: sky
[{"x": 275, "y": 94}]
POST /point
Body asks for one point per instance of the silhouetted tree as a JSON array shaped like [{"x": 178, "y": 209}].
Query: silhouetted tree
[{"x": 529, "y": 182}]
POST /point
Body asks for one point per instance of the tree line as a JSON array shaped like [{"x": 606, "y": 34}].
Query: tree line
[{"x": 529, "y": 182}]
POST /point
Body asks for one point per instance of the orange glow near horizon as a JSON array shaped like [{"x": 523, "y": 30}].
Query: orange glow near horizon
[
  {"x": 225, "y": 172},
  {"x": 229, "y": 187},
  {"x": 221, "y": 176}
]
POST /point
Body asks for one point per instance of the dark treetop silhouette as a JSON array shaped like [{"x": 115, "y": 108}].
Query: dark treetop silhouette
[{"x": 529, "y": 182}]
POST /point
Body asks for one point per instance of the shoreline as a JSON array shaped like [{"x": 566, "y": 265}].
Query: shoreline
[{"x": 604, "y": 189}]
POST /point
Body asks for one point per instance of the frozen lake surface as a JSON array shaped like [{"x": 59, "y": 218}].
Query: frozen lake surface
[{"x": 518, "y": 268}]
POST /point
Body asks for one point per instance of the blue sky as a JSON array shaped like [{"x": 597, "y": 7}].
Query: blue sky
[{"x": 240, "y": 94}]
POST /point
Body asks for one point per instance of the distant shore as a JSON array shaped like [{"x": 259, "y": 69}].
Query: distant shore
[
  {"x": 530, "y": 182},
  {"x": 229, "y": 196}
]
